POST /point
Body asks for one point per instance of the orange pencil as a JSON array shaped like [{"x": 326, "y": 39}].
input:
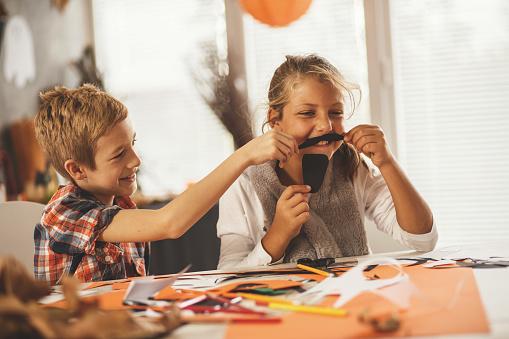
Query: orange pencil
[{"x": 314, "y": 270}]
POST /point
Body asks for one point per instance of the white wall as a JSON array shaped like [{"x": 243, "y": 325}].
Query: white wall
[{"x": 59, "y": 38}]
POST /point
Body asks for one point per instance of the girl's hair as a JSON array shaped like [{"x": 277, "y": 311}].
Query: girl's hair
[{"x": 294, "y": 69}]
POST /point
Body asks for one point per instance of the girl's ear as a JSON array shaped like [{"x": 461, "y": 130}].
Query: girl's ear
[
  {"x": 273, "y": 117},
  {"x": 75, "y": 171}
]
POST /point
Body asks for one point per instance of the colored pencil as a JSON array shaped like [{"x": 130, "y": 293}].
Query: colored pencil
[
  {"x": 339, "y": 312},
  {"x": 314, "y": 270}
]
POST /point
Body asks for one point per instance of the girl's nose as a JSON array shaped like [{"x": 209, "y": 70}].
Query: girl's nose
[{"x": 324, "y": 123}]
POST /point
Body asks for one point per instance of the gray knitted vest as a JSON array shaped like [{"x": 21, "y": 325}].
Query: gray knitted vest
[{"x": 335, "y": 228}]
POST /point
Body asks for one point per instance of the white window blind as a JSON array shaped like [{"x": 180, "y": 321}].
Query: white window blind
[
  {"x": 147, "y": 51},
  {"x": 451, "y": 62},
  {"x": 333, "y": 29}
]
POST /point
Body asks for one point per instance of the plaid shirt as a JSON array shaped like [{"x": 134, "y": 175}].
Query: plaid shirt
[{"x": 70, "y": 226}]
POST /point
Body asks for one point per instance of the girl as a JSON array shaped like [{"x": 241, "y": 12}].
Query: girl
[{"x": 268, "y": 216}]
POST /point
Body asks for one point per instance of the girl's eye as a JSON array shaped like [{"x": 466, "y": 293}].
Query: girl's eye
[
  {"x": 307, "y": 113},
  {"x": 134, "y": 140},
  {"x": 336, "y": 113}
]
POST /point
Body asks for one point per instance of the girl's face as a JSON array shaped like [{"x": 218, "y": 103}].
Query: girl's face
[{"x": 315, "y": 108}]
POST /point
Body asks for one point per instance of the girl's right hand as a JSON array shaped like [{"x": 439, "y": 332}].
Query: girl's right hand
[
  {"x": 273, "y": 145},
  {"x": 292, "y": 211}
]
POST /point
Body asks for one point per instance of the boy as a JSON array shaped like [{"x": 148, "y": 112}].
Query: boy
[{"x": 90, "y": 227}]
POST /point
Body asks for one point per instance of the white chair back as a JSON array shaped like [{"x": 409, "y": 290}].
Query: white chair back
[{"x": 17, "y": 224}]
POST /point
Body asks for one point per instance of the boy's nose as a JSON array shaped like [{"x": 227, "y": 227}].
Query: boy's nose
[{"x": 135, "y": 160}]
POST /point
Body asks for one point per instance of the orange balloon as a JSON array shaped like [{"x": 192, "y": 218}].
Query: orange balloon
[{"x": 276, "y": 12}]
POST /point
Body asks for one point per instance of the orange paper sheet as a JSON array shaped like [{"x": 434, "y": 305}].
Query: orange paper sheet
[
  {"x": 169, "y": 293},
  {"x": 112, "y": 300},
  {"x": 448, "y": 303}
]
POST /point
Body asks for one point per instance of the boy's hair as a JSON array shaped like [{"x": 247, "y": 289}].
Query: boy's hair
[
  {"x": 297, "y": 67},
  {"x": 70, "y": 121}
]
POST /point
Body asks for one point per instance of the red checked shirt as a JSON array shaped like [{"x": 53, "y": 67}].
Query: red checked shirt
[{"x": 70, "y": 226}]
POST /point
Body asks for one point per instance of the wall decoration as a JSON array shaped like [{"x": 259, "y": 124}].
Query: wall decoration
[
  {"x": 19, "y": 59},
  {"x": 276, "y": 13},
  {"x": 60, "y": 4},
  {"x": 3, "y": 21}
]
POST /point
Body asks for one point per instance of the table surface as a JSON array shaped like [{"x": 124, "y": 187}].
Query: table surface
[{"x": 493, "y": 284}]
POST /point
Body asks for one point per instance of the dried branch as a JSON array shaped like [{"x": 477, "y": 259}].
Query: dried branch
[{"x": 216, "y": 87}]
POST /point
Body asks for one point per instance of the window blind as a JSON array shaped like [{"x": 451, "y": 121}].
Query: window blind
[
  {"x": 332, "y": 29},
  {"x": 452, "y": 98}
]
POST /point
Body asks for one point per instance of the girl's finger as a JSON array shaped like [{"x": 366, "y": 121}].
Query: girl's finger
[
  {"x": 367, "y": 139},
  {"x": 296, "y": 199},
  {"x": 364, "y": 133},
  {"x": 293, "y": 189},
  {"x": 300, "y": 208},
  {"x": 349, "y": 135},
  {"x": 303, "y": 218},
  {"x": 369, "y": 149},
  {"x": 359, "y": 131}
]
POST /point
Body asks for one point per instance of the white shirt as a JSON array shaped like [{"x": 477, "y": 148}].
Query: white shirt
[{"x": 242, "y": 219}]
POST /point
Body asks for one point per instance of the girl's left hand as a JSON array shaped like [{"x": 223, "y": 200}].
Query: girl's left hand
[{"x": 370, "y": 140}]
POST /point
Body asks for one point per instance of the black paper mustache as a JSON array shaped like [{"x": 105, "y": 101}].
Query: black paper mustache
[{"x": 326, "y": 137}]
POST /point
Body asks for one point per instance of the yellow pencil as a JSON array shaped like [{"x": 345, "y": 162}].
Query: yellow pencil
[
  {"x": 338, "y": 312},
  {"x": 264, "y": 298},
  {"x": 314, "y": 270}
]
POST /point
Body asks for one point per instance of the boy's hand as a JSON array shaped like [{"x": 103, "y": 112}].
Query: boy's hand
[
  {"x": 370, "y": 140},
  {"x": 292, "y": 211},
  {"x": 273, "y": 145}
]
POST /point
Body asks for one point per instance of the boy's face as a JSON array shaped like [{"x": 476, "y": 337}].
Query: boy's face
[{"x": 116, "y": 164}]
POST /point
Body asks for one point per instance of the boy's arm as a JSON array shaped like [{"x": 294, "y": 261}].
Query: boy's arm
[{"x": 174, "y": 219}]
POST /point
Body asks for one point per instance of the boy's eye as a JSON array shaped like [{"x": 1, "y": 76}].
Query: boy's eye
[
  {"x": 121, "y": 154},
  {"x": 134, "y": 140}
]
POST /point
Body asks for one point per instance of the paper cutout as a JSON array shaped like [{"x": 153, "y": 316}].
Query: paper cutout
[
  {"x": 314, "y": 167},
  {"x": 140, "y": 291},
  {"x": 19, "y": 60},
  {"x": 352, "y": 283},
  {"x": 272, "y": 284},
  {"x": 439, "y": 263},
  {"x": 326, "y": 137},
  {"x": 169, "y": 293}
]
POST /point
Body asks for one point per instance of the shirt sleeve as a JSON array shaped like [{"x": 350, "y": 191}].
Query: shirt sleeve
[
  {"x": 379, "y": 207},
  {"x": 240, "y": 228},
  {"x": 74, "y": 224}
]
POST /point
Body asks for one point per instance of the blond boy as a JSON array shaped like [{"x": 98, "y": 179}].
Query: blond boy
[{"x": 91, "y": 227}]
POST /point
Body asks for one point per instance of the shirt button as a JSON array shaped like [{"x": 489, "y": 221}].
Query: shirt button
[{"x": 108, "y": 258}]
